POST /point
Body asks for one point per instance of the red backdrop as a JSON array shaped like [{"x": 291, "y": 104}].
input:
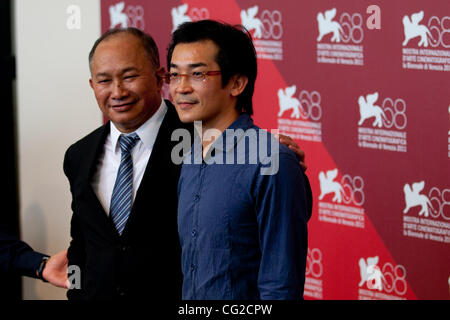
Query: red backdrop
[{"x": 364, "y": 90}]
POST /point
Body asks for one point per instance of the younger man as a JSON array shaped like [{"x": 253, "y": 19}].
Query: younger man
[{"x": 242, "y": 209}]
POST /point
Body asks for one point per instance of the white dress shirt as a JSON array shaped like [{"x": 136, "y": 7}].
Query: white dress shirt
[{"x": 108, "y": 165}]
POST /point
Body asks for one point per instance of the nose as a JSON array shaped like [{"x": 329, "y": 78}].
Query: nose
[
  {"x": 118, "y": 91},
  {"x": 183, "y": 86}
]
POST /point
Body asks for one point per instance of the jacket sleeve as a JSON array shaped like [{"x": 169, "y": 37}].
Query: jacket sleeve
[
  {"x": 76, "y": 250},
  {"x": 18, "y": 257}
]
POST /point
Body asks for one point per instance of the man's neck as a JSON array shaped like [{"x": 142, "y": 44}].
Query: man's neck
[{"x": 212, "y": 129}]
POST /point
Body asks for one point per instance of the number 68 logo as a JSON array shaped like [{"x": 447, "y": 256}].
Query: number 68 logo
[
  {"x": 271, "y": 24},
  {"x": 394, "y": 113},
  {"x": 314, "y": 265},
  {"x": 353, "y": 190},
  {"x": 351, "y": 27},
  {"x": 439, "y": 31},
  {"x": 393, "y": 279},
  {"x": 136, "y": 17}
]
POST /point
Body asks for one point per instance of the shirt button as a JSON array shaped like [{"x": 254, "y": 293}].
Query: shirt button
[
  {"x": 197, "y": 197},
  {"x": 194, "y": 233},
  {"x": 192, "y": 267}
]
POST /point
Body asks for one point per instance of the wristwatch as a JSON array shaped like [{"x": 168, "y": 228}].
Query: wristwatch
[{"x": 41, "y": 268}]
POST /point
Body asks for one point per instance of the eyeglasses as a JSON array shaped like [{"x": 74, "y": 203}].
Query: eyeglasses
[{"x": 174, "y": 78}]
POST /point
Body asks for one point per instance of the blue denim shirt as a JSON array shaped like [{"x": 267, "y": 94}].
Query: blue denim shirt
[{"x": 243, "y": 232}]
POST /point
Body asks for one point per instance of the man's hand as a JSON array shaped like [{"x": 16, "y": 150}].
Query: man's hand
[
  {"x": 289, "y": 142},
  {"x": 55, "y": 270}
]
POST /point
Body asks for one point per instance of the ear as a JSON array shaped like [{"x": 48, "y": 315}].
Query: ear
[
  {"x": 91, "y": 83},
  {"x": 239, "y": 82},
  {"x": 161, "y": 76}
]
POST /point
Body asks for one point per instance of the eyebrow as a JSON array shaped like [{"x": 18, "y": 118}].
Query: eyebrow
[
  {"x": 106, "y": 74},
  {"x": 191, "y": 65},
  {"x": 102, "y": 74}
]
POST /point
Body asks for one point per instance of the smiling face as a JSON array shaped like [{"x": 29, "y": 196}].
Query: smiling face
[
  {"x": 125, "y": 83},
  {"x": 207, "y": 101}
]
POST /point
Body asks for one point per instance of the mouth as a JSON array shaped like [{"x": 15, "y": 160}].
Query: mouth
[
  {"x": 185, "y": 104},
  {"x": 123, "y": 106}
]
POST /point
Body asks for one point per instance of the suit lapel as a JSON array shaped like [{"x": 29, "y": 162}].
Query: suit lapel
[
  {"x": 88, "y": 168},
  {"x": 158, "y": 165},
  {"x": 160, "y": 157}
]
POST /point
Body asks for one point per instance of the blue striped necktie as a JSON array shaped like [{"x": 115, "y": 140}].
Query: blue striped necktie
[{"x": 121, "y": 198}]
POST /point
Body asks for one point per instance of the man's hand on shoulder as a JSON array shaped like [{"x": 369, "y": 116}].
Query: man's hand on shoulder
[{"x": 291, "y": 144}]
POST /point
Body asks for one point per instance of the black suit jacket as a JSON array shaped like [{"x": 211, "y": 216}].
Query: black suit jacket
[
  {"x": 17, "y": 257},
  {"x": 145, "y": 260}
]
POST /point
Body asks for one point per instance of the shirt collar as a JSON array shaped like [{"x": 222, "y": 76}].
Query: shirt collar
[
  {"x": 244, "y": 122},
  {"x": 147, "y": 132}
]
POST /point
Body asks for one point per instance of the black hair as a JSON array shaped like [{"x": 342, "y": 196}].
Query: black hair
[
  {"x": 236, "y": 54},
  {"x": 147, "y": 41}
]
